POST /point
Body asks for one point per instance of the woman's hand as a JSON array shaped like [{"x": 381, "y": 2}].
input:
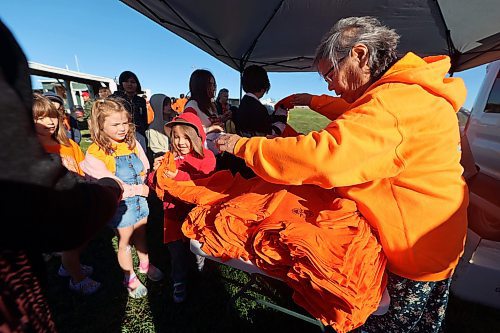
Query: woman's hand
[
  {"x": 171, "y": 174},
  {"x": 227, "y": 142},
  {"x": 302, "y": 99}
]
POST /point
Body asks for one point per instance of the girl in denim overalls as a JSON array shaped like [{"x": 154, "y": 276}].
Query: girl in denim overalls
[{"x": 116, "y": 153}]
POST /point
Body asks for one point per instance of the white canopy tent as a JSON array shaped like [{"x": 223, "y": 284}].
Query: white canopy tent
[{"x": 282, "y": 35}]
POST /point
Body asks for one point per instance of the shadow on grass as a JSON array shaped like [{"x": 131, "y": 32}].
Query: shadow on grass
[
  {"x": 101, "y": 312},
  {"x": 203, "y": 310}
]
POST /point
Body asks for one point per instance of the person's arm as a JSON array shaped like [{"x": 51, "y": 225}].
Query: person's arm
[
  {"x": 144, "y": 159},
  {"x": 96, "y": 169},
  {"x": 357, "y": 148},
  {"x": 328, "y": 106},
  {"x": 44, "y": 206},
  {"x": 56, "y": 218}
]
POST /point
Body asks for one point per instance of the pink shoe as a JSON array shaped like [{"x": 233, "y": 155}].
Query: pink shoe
[{"x": 139, "y": 291}]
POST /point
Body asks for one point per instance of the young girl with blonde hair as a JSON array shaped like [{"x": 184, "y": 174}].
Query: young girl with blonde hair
[
  {"x": 116, "y": 153},
  {"x": 52, "y": 135}
]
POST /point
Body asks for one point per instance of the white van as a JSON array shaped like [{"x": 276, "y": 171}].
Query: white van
[{"x": 477, "y": 277}]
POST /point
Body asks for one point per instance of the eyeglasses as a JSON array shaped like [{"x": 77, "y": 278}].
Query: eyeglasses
[{"x": 325, "y": 76}]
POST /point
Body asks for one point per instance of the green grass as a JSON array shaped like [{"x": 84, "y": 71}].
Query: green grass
[
  {"x": 205, "y": 310},
  {"x": 85, "y": 142},
  {"x": 304, "y": 120}
]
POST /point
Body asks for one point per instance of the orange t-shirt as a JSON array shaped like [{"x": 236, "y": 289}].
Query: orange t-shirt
[{"x": 71, "y": 155}]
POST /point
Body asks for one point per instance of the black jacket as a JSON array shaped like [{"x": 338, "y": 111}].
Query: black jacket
[
  {"x": 252, "y": 118},
  {"x": 137, "y": 108}
]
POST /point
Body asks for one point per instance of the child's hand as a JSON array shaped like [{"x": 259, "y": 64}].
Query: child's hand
[
  {"x": 145, "y": 191},
  {"x": 157, "y": 162},
  {"x": 171, "y": 174}
]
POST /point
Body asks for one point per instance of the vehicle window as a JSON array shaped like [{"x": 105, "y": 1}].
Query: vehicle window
[{"x": 493, "y": 104}]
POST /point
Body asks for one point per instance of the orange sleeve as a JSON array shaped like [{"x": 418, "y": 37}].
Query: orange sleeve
[
  {"x": 79, "y": 156},
  {"x": 151, "y": 113},
  {"x": 329, "y": 106},
  {"x": 359, "y": 147}
]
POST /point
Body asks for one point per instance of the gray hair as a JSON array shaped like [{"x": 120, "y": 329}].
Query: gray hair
[{"x": 380, "y": 40}]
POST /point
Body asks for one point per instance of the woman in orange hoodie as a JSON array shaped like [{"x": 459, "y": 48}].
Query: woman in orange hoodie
[{"x": 393, "y": 147}]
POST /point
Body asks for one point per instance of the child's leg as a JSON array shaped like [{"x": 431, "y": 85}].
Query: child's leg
[
  {"x": 179, "y": 267},
  {"x": 125, "y": 250},
  {"x": 135, "y": 287},
  {"x": 138, "y": 238},
  {"x": 179, "y": 261},
  {"x": 140, "y": 242},
  {"x": 71, "y": 262},
  {"x": 79, "y": 274}
]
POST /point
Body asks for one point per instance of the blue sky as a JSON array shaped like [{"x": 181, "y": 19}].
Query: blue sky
[{"x": 108, "y": 37}]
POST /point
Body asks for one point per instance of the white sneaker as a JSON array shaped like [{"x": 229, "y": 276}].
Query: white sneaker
[{"x": 85, "y": 287}]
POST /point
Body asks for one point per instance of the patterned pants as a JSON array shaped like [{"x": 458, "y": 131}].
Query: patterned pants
[
  {"x": 415, "y": 307},
  {"x": 23, "y": 307}
]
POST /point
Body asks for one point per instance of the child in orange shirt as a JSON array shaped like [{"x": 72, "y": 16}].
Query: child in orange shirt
[{"x": 52, "y": 135}]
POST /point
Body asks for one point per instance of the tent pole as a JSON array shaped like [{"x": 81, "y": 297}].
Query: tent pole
[
  {"x": 241, "y": 88},
  {"x": 242, "y": 68}
]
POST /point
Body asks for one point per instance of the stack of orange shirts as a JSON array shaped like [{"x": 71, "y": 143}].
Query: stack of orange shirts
[{"x": 304, "y": 235}]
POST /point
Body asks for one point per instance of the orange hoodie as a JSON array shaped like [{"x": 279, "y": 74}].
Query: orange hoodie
[{"x": 395, "y": 151}]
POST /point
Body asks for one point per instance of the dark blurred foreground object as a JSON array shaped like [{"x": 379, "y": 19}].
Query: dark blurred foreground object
[{"x": 48, "y": 195}]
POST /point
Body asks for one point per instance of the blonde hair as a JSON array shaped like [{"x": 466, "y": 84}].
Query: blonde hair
[
  {"x": 101, "y": 109},
  {"x": 194, "y": 138},
  {"x": 43, "y": 107}
]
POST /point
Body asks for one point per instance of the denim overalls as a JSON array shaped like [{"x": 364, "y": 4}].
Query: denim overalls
[{"x": 130, "y": 210}]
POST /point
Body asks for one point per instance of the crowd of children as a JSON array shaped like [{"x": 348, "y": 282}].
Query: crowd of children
[
  {"x": 127, "y": 137},
  {"x": 366, "y": 157}
]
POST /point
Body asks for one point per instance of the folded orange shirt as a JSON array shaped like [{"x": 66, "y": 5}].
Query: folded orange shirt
[{"x": 304, "y": 235}]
